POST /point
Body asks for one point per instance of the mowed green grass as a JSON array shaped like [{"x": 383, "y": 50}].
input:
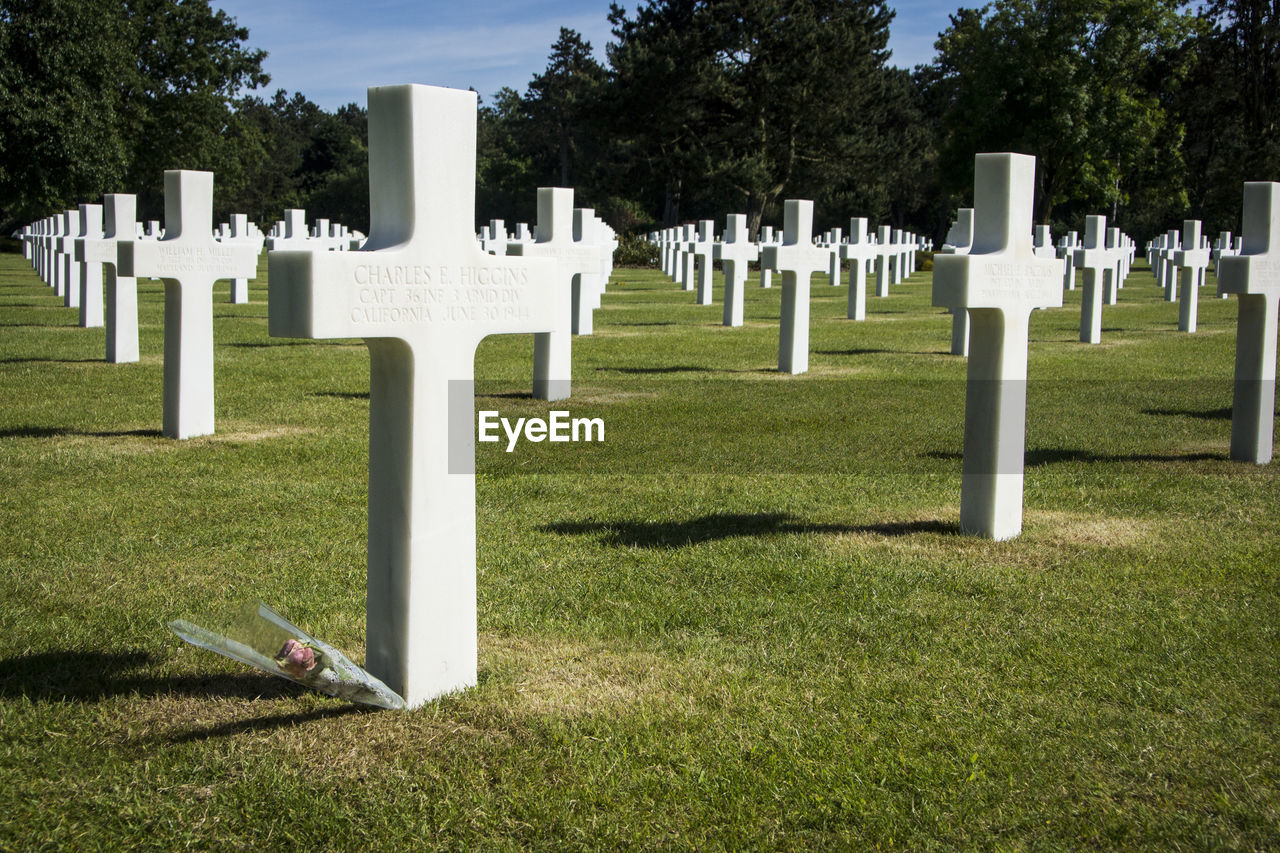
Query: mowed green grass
[{"x": 747, "y": 620}]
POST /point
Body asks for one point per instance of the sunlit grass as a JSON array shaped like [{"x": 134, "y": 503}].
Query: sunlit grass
[{"x": 745, "y": 620}]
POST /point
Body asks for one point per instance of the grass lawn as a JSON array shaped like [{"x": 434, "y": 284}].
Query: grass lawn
[{"x": 745, "y": 620}]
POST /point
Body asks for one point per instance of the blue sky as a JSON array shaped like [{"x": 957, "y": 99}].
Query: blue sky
[{"x": 332, "y": 51}]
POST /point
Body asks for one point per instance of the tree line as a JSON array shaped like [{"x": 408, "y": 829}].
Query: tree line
[{"x": 1144, "y": 110}]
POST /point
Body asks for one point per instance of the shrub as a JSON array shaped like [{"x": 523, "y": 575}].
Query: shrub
[{"x": 635, "y": 251}]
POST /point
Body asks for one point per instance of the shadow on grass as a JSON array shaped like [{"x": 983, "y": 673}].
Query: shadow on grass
[
  {"x": 879, "y": 352},
  {"x": 46, "y": 360},
  {"x": 719, "y": 526},
  {"x": 1223, "y": 414},
  {"x": 295, "y": 342},
  {"x": 505, "y": 395},
  {"x": 343, "y": 395},
  {"x": 53, "y": 432},
  {"x": 1055, "y": 455},
  {"x": 71, "y": 676},
  {"x": 644, "y": 370},
  {"x": 86, "y": 677},
  {"x": 259, "y": 724},
  {"x": 658, "y": 323}
]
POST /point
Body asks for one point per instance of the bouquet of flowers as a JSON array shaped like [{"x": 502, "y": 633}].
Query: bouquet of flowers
[{"x": 266, "y": 640}]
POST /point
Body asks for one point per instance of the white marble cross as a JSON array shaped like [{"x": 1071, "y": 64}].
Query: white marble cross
[
  {"x": 1095, "y": 262},
  {"x": 291, "y": 232},
  {"x": 89, "y": 275},
  {"x": 884, "y": 260},
  {"x": 702, "y": 249},
  {"x": 897, "y": 265},
  {"x": 1116, "y": 252},
  {"x": 188, "y": 260},
  {"x": 734, "y": 253},
  {"x": 1067, "y": 252},
  {"x": 959, "y": 241},
  {"x": 495, "y": 239},
  {"x": 1000, "y": 282},
  {"x": 859, "y": 251},
  {"x": 1194, "y": 261},
  {"x": 1254, "y": 276},
  {"x": 1043, "y": 244},
  {"x": 1169, "y": 270},
  {"x": 241, "y": 233},
  {"x": 121, "y": 315},
  {"x": 423, "y": 294},
  {"x": 588, "y": 236},
  {"x": 688, "y": 271},
  {"x": 797, "y": 259},
  {"x": 1222, "y": 248},
  {"x": 835, "y": 262},
  {"x": 553, "y": 349},
  {"x": 69, "y": 272},
  {"x": 767, "y": 238}
]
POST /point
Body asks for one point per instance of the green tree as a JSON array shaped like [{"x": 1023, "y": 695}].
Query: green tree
[
  {"x": 739, "y": 102},
  {"x": 506, "y": 186},
  {"x": 1081, "y": 84},
  {"x": 560, "y": 107},
  {"x": 1231, "y": 107},
  {"x": 99, "y": 96}
]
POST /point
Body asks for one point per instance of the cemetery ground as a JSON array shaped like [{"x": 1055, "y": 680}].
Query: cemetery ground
[{"x": 746, "y": 619}]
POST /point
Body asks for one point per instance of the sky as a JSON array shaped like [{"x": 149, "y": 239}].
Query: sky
[{"x": 332, "y": 51}]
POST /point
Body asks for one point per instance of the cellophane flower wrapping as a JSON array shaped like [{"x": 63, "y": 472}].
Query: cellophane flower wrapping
[{"x": 264, "y": 639}]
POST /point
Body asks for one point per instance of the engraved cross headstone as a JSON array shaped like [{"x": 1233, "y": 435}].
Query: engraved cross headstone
[
  {"x": 703, "y": 249},
  {"x": 734, "y": 253},
  {"x": 884, "y": 260},
  {"x": 553, "y": 238},
  {"x": 188, "y": 260},
  {"x": 423, "y": 294},
  {"x": 959, "y": 241},
  {"x": 68, "y": 281},
  {"x": 1254, "y": 276},
  {"x": 1094, "y": 261},
  {"x": 121, "y": 316},
  {"x": 89, "y": 274},
  {"x": 859, "y": 251},
  {"x": 1000, "y": 282},
  {"x": 836, "y": 261},
  {"x": 1194, "y": 261},
  {"x": 240, "y": 232},
  {"x": 797, "y": 259}
]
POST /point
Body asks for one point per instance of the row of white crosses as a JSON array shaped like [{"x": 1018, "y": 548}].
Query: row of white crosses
[
  {"x": 592, "y": 239},
  {"x": 1104, "y": 258},
  {"x": 187, "y": 257},
  {"x": 55, "y": 246},
  {"x": 292, "y": 233},
  {"x": 417, "y": 295},
  {"x": 687, "y": 252}
]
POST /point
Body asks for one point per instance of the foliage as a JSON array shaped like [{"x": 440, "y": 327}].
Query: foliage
[
  {"x": 743, "y": 101},
  {"x": 1133, "y": 108},
  {"x": 99, "y": 96},
  {"x": 635, "y": 250},
  {"x": 1081, "y": 84},
  {"x": 1231, "y": 107}
]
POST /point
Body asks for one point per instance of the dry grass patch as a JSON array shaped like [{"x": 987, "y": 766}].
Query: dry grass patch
[
  {"x": 522, "y": 678},
  {"x": 555, "y": 677},
  {"x": 1073, "y": 529}
]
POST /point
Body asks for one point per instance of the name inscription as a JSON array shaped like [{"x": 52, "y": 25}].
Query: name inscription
[
  {"x": 417, "y": 294},
  {"x": 218, "y": 261}
]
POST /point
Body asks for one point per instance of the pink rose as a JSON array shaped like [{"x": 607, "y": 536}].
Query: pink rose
[{"x": 296, "y": 659}]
